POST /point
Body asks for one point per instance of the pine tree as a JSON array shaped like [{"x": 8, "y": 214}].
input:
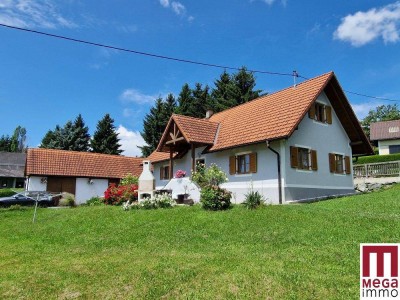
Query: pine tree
[
  {"x": 223, "y": 96},
  {"x": 81, "y": 137},
  {"x": 245, "y": 83},
  {"x": 154, "y": 124},
  {"x": 105, "y": 138},
  {"x": 185, "y": 100}
]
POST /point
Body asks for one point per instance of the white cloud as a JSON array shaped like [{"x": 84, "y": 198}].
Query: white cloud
[
  {"x": 270, "y": 2},
  {"x": 164, "y": 3},
  {"x": 364, "y": 27},
  {"x": 363, "y": 109},
  {"x": 30, "y": 13},
  {"x": 136, "y": 96},
  {"x": 130, "y": 140},
  {"x": 177, "y": 7}
]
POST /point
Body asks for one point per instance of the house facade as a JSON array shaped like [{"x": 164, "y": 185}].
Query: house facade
[
  {"x": 12, "y": 166},
  {"x": 387, "y": 136},
  {"x": 83, "y": 174},
  {"x": 295, "y": 144}
]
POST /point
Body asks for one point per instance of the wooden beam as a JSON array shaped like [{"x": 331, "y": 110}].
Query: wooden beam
[
  {"x": 171, "y": 163},
  {"x": 175, "y": 140},
  {"x": 193, "y": 158}
]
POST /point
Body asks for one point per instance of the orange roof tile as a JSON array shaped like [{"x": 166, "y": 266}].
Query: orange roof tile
[
  {"x": 269, "y": 117},
  {"x": 196, "y": 130},
  {"x": 48, "y": 162},
  {"x": 157, "y": 156}
]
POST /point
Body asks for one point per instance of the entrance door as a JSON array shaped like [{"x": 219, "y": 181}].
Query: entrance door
[{"x": 61, "y": 184}]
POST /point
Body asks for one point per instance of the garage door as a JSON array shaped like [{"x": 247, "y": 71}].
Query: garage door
[{"x": 61, "y": 184}]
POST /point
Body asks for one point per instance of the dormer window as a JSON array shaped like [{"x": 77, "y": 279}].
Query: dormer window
[{"x": 320, "y": 113}]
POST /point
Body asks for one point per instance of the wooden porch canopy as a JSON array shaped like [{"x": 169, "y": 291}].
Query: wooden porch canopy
[{"x": 184, "y": 133}]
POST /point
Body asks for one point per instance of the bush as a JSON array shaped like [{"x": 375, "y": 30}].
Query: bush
[
  {"x": 211, "y": 176},
  {"x": 94, "y": 201},
  {"x": 6, "y": 192},
  {"x": 215, "y": 198},
  {"x": 253, "y": 200},
  {"x": 116, "y": 195},
  {"x": 67, "y": 200},
  {"x": 159, "y": 201},
  {"x": 376, "y": 158},
  {"x": 129, "y": 179}
]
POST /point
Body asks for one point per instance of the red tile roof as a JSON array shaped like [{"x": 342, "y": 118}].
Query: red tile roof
[
  {"x": 270, "y": 117},
  {"x": 385, "y": 130},
  {"x": 49, "y": 162}
]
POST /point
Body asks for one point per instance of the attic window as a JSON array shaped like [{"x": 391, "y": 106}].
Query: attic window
[
  {"x": 394, "y": 129},
  {"x": 320, "y": 113}
]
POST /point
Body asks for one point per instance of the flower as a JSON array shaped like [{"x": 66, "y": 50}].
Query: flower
[{"x": 180, "y": 174}]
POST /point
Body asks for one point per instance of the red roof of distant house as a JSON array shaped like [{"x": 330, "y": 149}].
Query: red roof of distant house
[
  {"x": 271, "y": 117},
  {"x": 49, "y": 162},
  {"x": 385, "y": 130}
]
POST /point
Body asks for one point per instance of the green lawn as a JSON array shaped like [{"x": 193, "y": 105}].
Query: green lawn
[{"x": 308, "y": 251}]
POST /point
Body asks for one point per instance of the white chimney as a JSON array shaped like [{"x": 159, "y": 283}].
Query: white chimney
[
  {"x": 147, "y": 181},
  {"x": 209, "y": 113}
]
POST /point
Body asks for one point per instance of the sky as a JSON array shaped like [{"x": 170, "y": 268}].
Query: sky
[{"x": 46, "y": 81}]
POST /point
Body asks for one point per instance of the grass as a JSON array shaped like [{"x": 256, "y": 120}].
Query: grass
[{"x": 308, "y": 251}]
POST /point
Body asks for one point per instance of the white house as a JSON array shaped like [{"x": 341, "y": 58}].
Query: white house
[
  {"x": 83, "y": 174},
  {"x": 293, "y": 144},
  {"x": 387, "y": 134}
]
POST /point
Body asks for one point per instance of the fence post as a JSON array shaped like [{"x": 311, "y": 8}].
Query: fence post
[
  {"x": 399, "y": 167},
  {"x": 366, "y": 170}
]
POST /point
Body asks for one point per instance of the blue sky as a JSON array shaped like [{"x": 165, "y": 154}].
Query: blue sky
[{"x": 46, "y": 81}]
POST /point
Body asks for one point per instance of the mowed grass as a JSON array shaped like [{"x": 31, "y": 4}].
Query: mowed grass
[{"x": 308, "y": 251}]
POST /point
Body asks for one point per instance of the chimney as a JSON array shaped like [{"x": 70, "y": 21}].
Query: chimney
[{"x": 209, "y": 113}]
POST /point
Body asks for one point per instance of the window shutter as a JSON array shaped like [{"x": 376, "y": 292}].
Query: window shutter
[
  {"x": 311, "y": 112},
  {"x": 294, "y": 157},
  {"x": 328, "y": 112},
  {"x": 161, "y": 173},
  {"x": 347, "y": 164},
  {"x": 314, "y": 163},
  {"x": 253, "y": 162},
  {"x": 332, "y": 163},
  {"x": 232, "y": 165}
]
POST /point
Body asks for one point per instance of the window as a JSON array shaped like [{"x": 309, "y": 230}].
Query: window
[
  {"x": 303, "y": 158},
  {"x": 339, "y": 164},
  {"x": 321, "y": 113},
  {"x": 243, "y": 164},
  {"x": 164, "y": 172},
  {"x": 394, "y": 149}
]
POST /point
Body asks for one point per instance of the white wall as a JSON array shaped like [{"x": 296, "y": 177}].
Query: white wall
[
  {"x": 325, "y": 139},
  {"x": 35, "y": 184},
  {"x": 84, "y": 191},
  {"x": 384, "y": 146}
]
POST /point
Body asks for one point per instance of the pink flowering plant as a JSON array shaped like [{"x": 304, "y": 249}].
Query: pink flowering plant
[{"x": 180, "y": 174}]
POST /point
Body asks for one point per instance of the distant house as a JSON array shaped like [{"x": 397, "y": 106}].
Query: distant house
[
  {"x": 12, "y": 166},
  {"x": 387, "y": 135},
  {"x": 83, "y": 174},
  {"x": 294, "y": 144}
]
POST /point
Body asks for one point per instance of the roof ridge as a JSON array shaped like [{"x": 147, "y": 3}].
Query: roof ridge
[
  {"x": 81, "y": 152},
  {"x": 194, "y": 118},
  {"x": 267, "y": 95}
]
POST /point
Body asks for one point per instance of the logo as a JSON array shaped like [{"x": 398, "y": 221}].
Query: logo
[{"x": 379, "y": 271}]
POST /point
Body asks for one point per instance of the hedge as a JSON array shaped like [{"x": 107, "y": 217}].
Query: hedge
[
  {"x": 6, "y": 192},
  {"x": 376, "y": 159}
]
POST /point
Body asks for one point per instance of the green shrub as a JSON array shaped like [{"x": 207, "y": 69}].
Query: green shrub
[
  {"x": 95, "y": 201},
  {"x": 129, "y": 179},
  {"x": 67, "y": 200},
  {"x": 376, "y": 159},
  {"x": 215, "y": 198},
  {"x": 253, "y": 200},
  {"x": 6, "y": 192},
  {"x": 212, "y": 175}
]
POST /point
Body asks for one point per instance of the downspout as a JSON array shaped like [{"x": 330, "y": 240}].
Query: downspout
[{"x": 278, "y": 159}]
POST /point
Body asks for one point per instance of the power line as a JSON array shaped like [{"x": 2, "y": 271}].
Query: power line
[
  {"x": 176, "y": 59},
  {"x": 362, "y": 95},
  {"x": 141, "y": 52}
]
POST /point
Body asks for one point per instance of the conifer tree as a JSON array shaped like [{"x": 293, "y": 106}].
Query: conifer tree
[
  {"x": 185, "y": 100},
  {"x": 81, "y": 137},
  {"x": 105, "y": 138},
  {"x": 245, "y": 83},
  {"x": 223, "y": 96},
  {"x": 5, "y": 143}
]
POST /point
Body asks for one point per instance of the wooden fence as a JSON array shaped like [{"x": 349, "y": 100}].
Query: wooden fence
[{"x": 391, "y": 168}]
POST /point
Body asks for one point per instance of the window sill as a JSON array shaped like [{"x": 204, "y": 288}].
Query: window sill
[
  {"x": 304, "y": 171},
  {"x": 244, "y": 175},
  {"x": 340, "y": 174},
  {"x": 320, "y": 123}
]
